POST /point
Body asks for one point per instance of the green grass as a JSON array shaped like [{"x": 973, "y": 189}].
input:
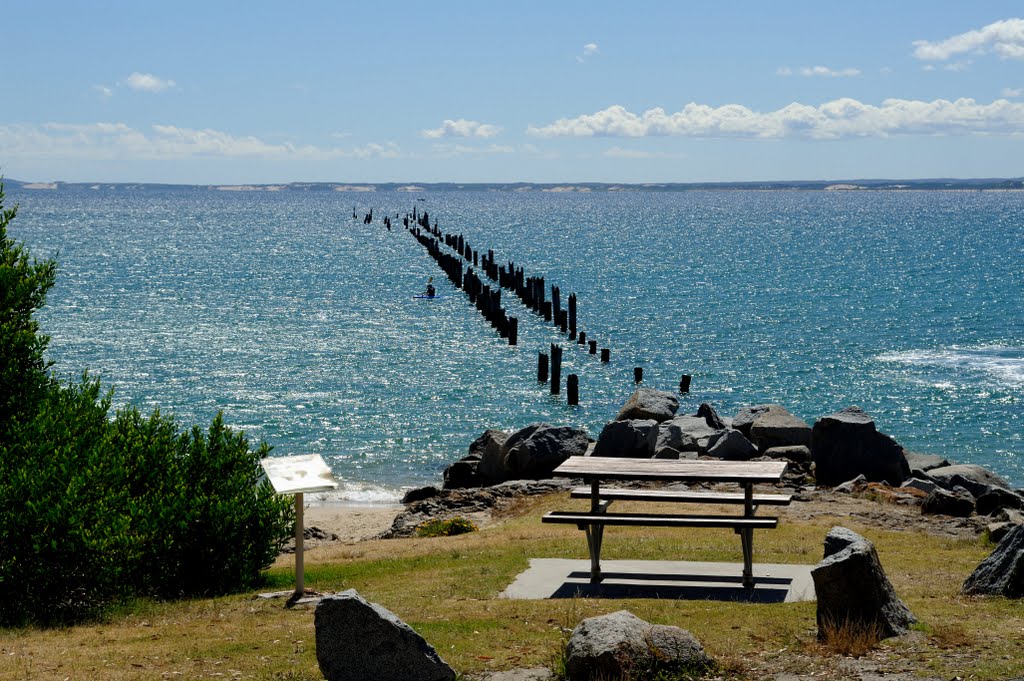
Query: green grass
[{"x": 446, "y": 588}]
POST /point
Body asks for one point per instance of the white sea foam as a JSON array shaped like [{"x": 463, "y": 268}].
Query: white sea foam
[
  {"x": 1003, "y": 364},
  {"x": 359, "y": 494}
]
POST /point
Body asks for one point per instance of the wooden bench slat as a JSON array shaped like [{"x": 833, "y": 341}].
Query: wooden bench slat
[
  {"x": 659, "y": 520},
  {"x": 683, "y": 496}
]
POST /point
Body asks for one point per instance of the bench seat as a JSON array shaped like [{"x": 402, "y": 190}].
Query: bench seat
[
  {"x": 616, "y": 494},
  {"x": 659, "y": 520}
]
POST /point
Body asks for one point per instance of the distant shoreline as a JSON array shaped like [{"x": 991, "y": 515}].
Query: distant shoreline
[{"x": 937, "y": 184}]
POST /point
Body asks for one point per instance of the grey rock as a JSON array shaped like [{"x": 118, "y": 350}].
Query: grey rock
[
  {"x": 463, "y": 473},
  {"x": 1002, "y": 573},
  {"x": 776, "y": 427},
  {"x": 648, "y": 403},
  {"x": 977, "y": 479},
  {"x": 922, "y": 463},
  {"x": 792, "y": 453},
  {"x": 491, "y": 448},
  {"x": 634, "y": 438},
  {"x": 851, "y": 486},
  {"x": 925, "y": 486},
  {"x": 847, "y": 444},
  {"x": 745, "y": 417},
  {"x": 708, "y": 413},
  {"x": 621, "y": 645},
  {"x": 852, "y": 588},
  {"x": 358, "y": 640},
  {"x": 685, "y": 433},
  {"x": 957, "y": 503},
  {"x": 731, "y": 445},
  {"x": 535, "y": 456},
  {"x": 419, "y": 494},
  {"x": 669, "y": 453},
  {"x": 996, "y": 499}
]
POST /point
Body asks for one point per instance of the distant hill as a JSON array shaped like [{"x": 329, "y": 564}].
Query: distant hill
[{"x": 932, "y": 184}]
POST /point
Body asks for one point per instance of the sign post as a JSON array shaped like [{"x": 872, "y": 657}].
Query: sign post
[{"x": 297, "y": 475}]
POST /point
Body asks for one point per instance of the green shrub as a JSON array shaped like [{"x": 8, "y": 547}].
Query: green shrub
[
  {"x": 94, "y": 508},
  {"x": 445, "y": 528}
]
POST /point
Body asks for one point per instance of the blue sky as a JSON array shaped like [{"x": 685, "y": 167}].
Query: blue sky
[{"x": 231, "y": 93}]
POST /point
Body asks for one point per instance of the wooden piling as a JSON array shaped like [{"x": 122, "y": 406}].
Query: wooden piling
[
  {"x": 593, "y": 347},
  {"x": 638, "y": 374},
  {"x": 542, "y": 367},
  {"x": 684, "y": 384},
  {"x": 582, "y": 340},
  {"x": 556, "y": 369},
  {"x": 572, "y": 389},
  {"x": 572, "y": 314},
  {"x": 513, "y": 331},
  {"x": 606, "y": 355}
]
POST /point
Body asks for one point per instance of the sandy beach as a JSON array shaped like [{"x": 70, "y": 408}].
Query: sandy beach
[{"x": 351, "y": 522}]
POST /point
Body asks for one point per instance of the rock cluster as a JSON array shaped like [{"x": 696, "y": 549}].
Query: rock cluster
[{"x": 844, "y": 450}]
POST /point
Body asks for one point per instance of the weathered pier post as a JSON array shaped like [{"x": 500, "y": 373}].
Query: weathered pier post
[
  {"x": 556, "y": 304},
  {"x": 513, "y": 330},
  {"x": 582, "y": 340},
  {"x": 572, "y": 389},
  {"x": 542, "y": 367},
  {"x": 572, "y": 316},
  {"x": 593, "y": 347},
  {"x": 684, "y": 383},
  {"x": 556, "y": 369},
  {"x": 638, "y": 374},
  {"x": 606, "y": 355}
]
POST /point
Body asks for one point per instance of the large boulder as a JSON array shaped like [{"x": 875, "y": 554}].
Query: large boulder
[
  {"x": 996, "y": 499},
  {"x": 648, "y": 403},
  {"x": 534, "y": 457},
  {"x": 358, "y": 640},
  {"x": 620, "y": 645},
  {"x": 746, "y": 416},
  {"x": 976, "y": 479},
  {"x": 1002, "y": 573},
  {"x": 852, "y": 589},
  {"x": 847, "y": 444},
  {"x": 490, "y": 447},
  {"x": 776, "y": 427},
  {"x": 685, "y": 434},
  {"x": 957, "y": 503},
  {"x": 731, "y": 445},
  {"x": 922, "y": 463},
  {"x": 464, "y": 473},
  {"x": 708, "y": 413},
  {"x": 635, "y": 438}
]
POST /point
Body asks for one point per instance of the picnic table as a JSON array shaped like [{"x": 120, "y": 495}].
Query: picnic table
[{"x": 597, "y": 469}]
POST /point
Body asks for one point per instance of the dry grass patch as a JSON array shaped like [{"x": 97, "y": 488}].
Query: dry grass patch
[{"x": 446, "y": 588}]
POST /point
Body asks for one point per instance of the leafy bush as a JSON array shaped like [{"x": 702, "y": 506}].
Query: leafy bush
[
  {"x": 94, "y": 508},
  {"x": 445, "y": 528}
]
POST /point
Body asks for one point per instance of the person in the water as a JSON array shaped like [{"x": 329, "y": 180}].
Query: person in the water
[{"x": 431, "y": 291}]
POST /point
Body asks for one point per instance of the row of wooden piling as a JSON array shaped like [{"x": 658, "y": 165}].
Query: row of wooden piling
[{"x": 530, "y": 290}]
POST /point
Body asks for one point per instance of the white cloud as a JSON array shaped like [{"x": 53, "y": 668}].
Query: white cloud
[
  {"x": 462, "y": 128},
  {"x": 589, "y": 50},
  {"x": 117, "y": 141},
  {"x": 619, "y": 152},
  {"x": 836, "y": 119},
  {"x": 1005, "y": 38},
  {"x": 452, "y": 150},
  {"x": 102, "y": 90},
  {"x": 783, "y": 71},
  {"x": 1012, "y": 92},
  {"x": 147, "y": 82},
  {"x": 827, "y": 72}
]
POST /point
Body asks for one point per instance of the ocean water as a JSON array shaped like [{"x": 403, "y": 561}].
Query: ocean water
[{"x": 298, "y": 322}]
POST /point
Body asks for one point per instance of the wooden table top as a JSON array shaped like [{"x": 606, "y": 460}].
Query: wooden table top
[{"x": 678, "y": 470}]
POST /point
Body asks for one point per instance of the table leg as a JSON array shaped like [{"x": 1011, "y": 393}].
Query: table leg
[
  {"x": 747, "y": 537},
  {"x": 595, "y": 533}
]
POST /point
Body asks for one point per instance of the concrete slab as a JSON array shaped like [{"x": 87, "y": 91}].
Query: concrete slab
[{"x": 688, "y": 580}]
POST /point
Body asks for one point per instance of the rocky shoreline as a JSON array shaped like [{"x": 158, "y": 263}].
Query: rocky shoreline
[{"x": 840, "y": 454}]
